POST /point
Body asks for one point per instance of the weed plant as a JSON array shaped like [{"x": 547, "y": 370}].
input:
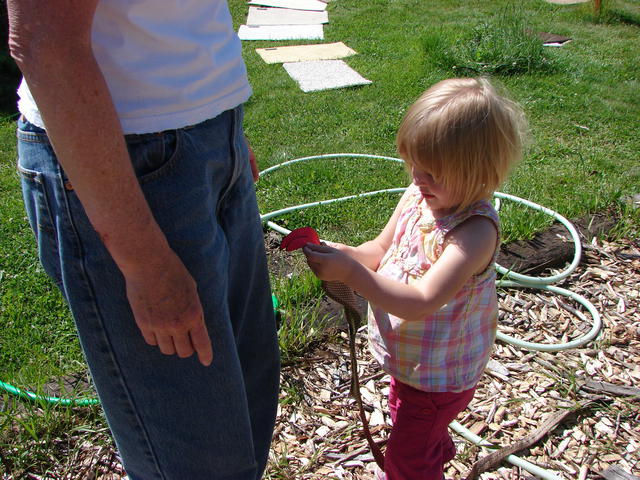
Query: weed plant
[
  {"x": 302, "y": 321},
  {"x": 501, "y": 45},
  {"x": 39, "y": 437}
]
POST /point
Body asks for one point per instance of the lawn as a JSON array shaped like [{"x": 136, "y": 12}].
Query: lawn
[{"x": 583, "y": 105}]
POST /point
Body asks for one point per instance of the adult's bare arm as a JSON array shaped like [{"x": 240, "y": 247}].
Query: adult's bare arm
[
  {"x": 51, "y": 43},
  {"x": 255, "y": 171}
]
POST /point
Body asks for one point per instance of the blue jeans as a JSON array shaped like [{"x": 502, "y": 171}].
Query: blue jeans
[{"x": 171, "y": 418}]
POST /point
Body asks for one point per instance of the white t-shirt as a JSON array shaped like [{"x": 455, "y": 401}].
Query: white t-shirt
[{"x": 168, "y": 63}]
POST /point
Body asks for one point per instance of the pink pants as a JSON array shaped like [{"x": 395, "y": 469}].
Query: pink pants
[{"x": 419, "y": 444}]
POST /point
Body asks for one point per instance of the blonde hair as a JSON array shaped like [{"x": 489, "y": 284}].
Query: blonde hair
[{"x": 465, "y": 134}]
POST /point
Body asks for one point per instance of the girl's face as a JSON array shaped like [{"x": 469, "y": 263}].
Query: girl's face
[{"x": 441, "y": 201}]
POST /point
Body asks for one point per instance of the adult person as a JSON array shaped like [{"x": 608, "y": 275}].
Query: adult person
[{"x": 138, "y": 186}]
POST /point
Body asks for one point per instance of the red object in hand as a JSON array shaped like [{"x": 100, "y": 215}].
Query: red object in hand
[{"x": 298, "y": 238}]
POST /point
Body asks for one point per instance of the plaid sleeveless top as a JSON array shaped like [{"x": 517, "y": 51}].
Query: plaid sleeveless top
[{"x": 449, "y": 350}]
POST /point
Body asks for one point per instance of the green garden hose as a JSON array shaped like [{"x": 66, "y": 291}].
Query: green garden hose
[
  {"x": 77, "y": 402},
  {"x": 27, "y": 395}
]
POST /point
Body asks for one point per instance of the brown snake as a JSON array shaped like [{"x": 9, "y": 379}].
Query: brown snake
[{"x": 346, "y": 297}]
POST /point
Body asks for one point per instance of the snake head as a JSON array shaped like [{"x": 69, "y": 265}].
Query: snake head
[{"x": 298, "y": 238}]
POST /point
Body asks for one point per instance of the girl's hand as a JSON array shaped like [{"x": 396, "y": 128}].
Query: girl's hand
[
  {"x": 329, "y": 263},
  {"x": 339, "y": 246}
]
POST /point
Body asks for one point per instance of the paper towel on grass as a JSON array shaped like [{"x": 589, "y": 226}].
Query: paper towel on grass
[
  {"x": 281, "y": 32},
  {"x": 301, "y": 53},
  {"x": 284, "y": 16},
  {"x": 567, "y": 2},
  {"x": 315, "y": 5},
  {"x": 324, "y": 75}
]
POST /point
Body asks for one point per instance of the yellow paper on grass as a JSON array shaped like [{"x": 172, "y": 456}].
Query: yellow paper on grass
[{"x": 301, "y": 53}]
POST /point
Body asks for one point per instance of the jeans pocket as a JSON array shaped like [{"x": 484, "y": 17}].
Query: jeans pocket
[
  {"x": 35, "y": 199},
  {"x": 41, "y": 220},
  {"x": 153, "y": 155}
]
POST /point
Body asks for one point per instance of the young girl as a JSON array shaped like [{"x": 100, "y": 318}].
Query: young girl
[{"x": 429, "y": 275}]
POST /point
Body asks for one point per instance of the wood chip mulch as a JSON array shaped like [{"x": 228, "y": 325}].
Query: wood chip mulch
[
  {"x": 594, "y": 388},
  {"x": 575, "y": 413}
]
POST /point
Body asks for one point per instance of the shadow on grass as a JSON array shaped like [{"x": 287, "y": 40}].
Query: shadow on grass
[
  {"x": 622, "y": 16},
  {"x": 9, "y": 80},
  {"x": 9, "y": 72}
]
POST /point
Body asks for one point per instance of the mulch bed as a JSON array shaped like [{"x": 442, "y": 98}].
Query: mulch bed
[
  {"x": 594, "y": 388},
  {"x": 318, "y": 434}
]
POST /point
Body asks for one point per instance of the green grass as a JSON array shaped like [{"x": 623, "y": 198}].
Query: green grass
[
  {"x": 502, "y": 44},
  {"x": 582, "y": 102},
  {"x": 582, "y": 155},
  {"x": 302, "y": 320}
]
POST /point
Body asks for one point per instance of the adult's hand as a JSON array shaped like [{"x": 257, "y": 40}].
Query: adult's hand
[
  {"x": 254, "y": 165},
  {"x": 168, "y": 312}
]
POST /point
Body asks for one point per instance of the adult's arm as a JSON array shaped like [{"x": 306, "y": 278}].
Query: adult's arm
[{"x": 51, "y": 43}]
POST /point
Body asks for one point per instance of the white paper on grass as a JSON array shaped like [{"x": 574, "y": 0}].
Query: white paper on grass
[
  {"x": 555, "y": 44},
  {"x": 284, "y": 16},
  {"x": 301, "y": 53},
  {"x": 324, "y": 75},
  {"x": 281, "y": 32},
  {"x": 315, "y": 5},
  {"x": 567, "y": 2}
]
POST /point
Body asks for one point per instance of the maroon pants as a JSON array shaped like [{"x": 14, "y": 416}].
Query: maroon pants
[{"x": 419, "y": 444}]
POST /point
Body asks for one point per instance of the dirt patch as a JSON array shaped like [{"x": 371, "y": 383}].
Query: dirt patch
[{"x": 552, "y": 248}]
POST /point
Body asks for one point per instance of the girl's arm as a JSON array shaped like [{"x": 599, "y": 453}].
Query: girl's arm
[
  {"x": 370, "y": 253},
  {"x": 469, "y": 250}
]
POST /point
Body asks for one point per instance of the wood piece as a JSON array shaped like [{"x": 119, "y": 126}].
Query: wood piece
[
  {"x": 494, "y": 459},
  {"x": 615, "y": 472}
]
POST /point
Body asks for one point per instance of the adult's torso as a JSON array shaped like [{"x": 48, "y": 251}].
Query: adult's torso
[{"x": 167, "y": 63}]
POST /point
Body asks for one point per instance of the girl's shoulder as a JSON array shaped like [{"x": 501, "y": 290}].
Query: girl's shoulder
[
  {"x": 483, "y": 208},
  {"x": 478, "y": 234},
  {"x": 412, "y": 195},
  {"x": 411, "y": 202}
]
